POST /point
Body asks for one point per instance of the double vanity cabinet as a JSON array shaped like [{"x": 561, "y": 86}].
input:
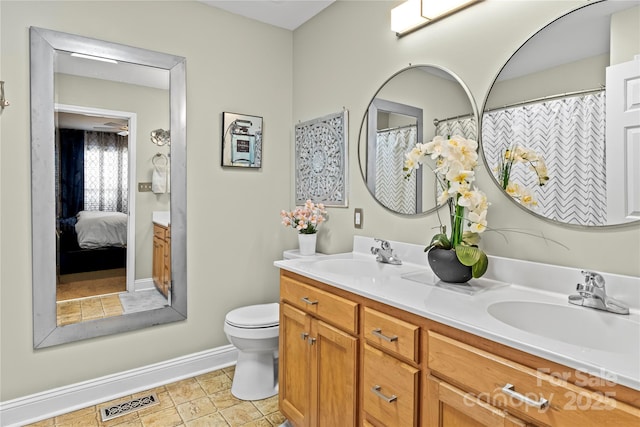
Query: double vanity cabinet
[{"x": 348, "y": 360}]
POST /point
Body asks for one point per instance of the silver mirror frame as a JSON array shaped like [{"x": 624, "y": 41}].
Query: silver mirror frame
[
  {"x": 43, "y": 44},
  {"x": 486, "y": 161}
]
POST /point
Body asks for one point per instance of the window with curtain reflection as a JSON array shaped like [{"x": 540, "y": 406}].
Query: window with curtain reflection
[{"x": 105, "y": 172}]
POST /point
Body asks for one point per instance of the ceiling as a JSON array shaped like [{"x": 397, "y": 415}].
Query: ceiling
[
  {"x": 89, "y": 122},
  {"x": 287, "y": 14}
]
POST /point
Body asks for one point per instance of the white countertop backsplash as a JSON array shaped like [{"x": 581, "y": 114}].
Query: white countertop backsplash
[{"x": 511, "y": 280}]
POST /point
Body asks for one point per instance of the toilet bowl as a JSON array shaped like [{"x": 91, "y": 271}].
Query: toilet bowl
[{"x": 254, "y": 330}]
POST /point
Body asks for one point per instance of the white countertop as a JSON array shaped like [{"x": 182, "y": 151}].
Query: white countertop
[
  {"x": 161, "y": 218},
  {"x": 533, "y": 282}
]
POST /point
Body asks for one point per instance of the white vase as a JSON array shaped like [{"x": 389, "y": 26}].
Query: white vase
[{"x": 307, "y": 243}]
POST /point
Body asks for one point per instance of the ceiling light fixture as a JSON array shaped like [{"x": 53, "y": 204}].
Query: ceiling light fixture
[
  {"x": 415, "y": 14},
  {"x": 406, "y": 17},
  {"x": 94, "y": 58}
]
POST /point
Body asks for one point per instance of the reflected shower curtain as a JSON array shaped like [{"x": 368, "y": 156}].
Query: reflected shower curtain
[
  {"x": 463, "y": 126},
  {"x": 106, "y": 178},
  {"x": 392, "y": 189},
  {"x": 570, "y": 135}
]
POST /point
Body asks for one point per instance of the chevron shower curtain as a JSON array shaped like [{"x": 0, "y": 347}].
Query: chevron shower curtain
[
  {"x": 570, "y": 135},
  {"x": 392, "y": 189},
  {"x": 463, "y": 126}
]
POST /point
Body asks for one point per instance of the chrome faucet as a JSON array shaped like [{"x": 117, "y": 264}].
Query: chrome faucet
[
  {"x": 592, "y": 294},
  {"x": 384, "y": 253}
]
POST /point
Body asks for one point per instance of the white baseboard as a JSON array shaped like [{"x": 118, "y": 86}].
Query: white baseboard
[
  {"x": 51, "y": 403},
  {"x": 143, "y": 284}
]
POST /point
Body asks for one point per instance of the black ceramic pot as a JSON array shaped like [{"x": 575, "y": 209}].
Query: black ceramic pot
[{"x": 447, "y": 267}]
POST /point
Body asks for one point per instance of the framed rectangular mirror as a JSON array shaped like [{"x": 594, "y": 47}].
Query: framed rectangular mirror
[{"x": 72, "y": 103}]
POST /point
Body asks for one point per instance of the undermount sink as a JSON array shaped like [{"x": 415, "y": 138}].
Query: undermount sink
[
  {"x": 355, "y": 267},
  {"x": 584, "y": 327}
]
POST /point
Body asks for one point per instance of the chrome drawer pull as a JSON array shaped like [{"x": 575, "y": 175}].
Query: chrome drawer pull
[
  {"x": 304, "y": 335},
  {"x": 509, "y": 390},
  {"x": 379, "y": 334},
  {"x": 376, "y": 390},
  {"x": 311, "y": 341},
  {"x": 308, "y": 301}
]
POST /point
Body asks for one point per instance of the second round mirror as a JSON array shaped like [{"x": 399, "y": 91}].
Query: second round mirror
[{"x": 412, "y": 106}]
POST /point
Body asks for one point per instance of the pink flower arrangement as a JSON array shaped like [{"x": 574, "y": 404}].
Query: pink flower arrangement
[{"x": 306, "y": 219}]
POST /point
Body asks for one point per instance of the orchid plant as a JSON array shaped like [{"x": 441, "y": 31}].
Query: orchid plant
[
  {"x": 306, "y": 219},
  {"x": 455, "y": 159},
  {"x": 513, "y": 155}
]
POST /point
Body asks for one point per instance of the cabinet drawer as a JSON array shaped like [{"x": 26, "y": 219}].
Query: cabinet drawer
[
  {"x": 392, "y": 334},
  {"x": 159, "y": 232},
  {"x": 453, "y": 407},
  {"x": 520, "y": 389},
  {"x": 331, "y": 308},
  {"x": 390, "y": 393}
]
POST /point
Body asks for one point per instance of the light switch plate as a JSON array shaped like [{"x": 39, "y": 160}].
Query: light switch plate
[
  {"x": 358, "y": 217},
  {"x": 144, "y": 187}
]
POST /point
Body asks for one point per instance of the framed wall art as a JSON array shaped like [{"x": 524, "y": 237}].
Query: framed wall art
[
  {"x": 321, "y": 160},
  {"x": 241, "y": 140}
]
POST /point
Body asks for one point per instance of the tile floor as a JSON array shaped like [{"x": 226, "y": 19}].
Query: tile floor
[
  {"x": 201, "y": 401},
  {"x": 91, "y": 284},
  {"x": 78, "y": 310}
]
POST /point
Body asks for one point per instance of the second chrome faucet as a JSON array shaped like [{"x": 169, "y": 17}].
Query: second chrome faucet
[{"x": 592, "y": 294}]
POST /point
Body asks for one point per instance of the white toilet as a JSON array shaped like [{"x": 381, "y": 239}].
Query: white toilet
[{"x": 253, "y": 330}]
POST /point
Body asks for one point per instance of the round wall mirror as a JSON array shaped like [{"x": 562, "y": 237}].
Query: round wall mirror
[
  {"x": 559, "y": 126},
  {"x": 413, "y": 105}
]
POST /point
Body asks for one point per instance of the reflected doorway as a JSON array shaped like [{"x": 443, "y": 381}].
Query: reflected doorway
[{"x": 93, "y": 212}]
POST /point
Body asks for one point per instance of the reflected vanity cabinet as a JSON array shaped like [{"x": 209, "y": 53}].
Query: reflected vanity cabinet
[
  {"x": 346, "y": 360},
  {"x": 161, "y": 264}
]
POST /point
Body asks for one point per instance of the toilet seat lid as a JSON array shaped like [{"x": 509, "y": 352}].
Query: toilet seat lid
[{"x": 255, "y": 316}]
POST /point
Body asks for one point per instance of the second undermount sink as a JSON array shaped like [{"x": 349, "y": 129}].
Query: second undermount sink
[
  {"x": 355, "y": 267},
  {"x": 584, "y": 327}
]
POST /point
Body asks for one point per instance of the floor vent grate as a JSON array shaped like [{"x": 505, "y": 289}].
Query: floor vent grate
[{"x": 124, "y": 408}]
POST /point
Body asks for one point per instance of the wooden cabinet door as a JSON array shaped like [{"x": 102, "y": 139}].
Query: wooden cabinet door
[
  {"x": 294, "y": 365},
  {"x": 448, "y": 406},
  {"x": 334, "y": 376},
  {"x": 157, "y": 268},
  {"x": 166, "y": 266}
]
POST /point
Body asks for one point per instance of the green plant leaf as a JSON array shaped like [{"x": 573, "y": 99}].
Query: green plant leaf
[
  {"x": 439, "y": 241},
  {"x": 468, "y": 255},
  {"x": 471, "y": 238},
  {"x": 480, "y": 267}
]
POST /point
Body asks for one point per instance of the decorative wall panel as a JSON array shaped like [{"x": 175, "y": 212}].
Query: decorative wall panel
[{"x": 321, "y": 160}]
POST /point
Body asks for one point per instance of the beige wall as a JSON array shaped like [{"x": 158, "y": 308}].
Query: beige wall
[
  {"x": 579, "y": 75},
  {"x": 339, "y": 59},
  {"x": 625, "y": 33}
]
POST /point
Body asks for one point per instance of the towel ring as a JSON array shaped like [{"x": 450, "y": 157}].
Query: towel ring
[{"x": 155, "y": 158}]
